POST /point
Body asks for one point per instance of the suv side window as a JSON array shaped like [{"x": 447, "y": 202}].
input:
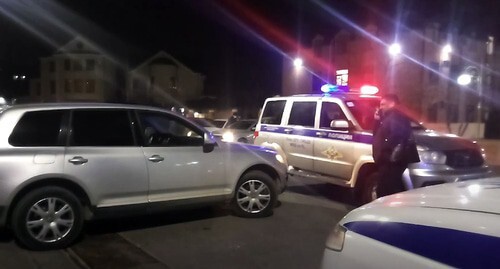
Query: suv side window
[
  {"x": 163, "y": 130},
  {"x": 105, "y": 127},
  {"x": 38, "y": 129},
  {"x": 330, "y": 111},
  {"x": 273, "y": 112},
  {"x": 302, "y": 114}
]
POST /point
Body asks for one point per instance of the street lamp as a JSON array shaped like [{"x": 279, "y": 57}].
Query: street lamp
[
  {"x": 473, "y": 73},
  {"x": 298, "y": 62},
  {"x": 394, "y": 49}
]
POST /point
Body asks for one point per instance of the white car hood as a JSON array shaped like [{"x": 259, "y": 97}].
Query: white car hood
[{"x": 482, "y": 195}]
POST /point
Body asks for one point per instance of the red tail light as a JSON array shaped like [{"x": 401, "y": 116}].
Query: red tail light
[{"x": 255, "y": 134}]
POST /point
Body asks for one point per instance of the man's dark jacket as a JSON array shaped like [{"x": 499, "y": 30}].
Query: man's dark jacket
[{"x": 394, "y": 128}]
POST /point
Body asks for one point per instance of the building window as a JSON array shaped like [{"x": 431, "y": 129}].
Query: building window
[
  {"x": 173, "y": 82},
  {"x": 52, "y": 87},
  {"x": 77, "y": 65},
  {"x": 79, "y": 45},
  {"x": 67, "y": 85},
  {"x": 139, "y": 84},
  {"x": 79, "y": 85},
  {"x": 90, "y": 65},
  {"x": 90, "y": 86},
  {"x": 52, "y": 66},
  {"x": 38, "y": 89},
  {"x": 67, "y": 65},
  {"x": 342, "y": 76},
  {"x": 433, "y": 73}
]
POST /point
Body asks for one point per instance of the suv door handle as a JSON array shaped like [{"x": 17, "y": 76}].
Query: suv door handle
[
  {"x": 320, "y": 133},
  {"x": 78, "y": 160},
  {"x": 156, "y": 158},
  {"x": 288, "y": 130}
]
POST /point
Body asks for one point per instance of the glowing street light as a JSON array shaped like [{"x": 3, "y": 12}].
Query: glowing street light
[
  {"x": 394, "y": 49},
  {"x": 298, "y": 62},
  {"x": 446, "y": 53},
  {"x": 464, "y": 79}
]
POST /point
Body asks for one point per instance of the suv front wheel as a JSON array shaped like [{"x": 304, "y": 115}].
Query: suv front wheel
[
  {"x": 47, "y": 218},
  {"x": 255, "y": 195}
]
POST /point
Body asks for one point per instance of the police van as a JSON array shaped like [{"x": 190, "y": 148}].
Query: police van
[{"x": 328, "y": 137}]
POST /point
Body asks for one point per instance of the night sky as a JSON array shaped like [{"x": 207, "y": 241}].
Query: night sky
[{"x": 216, "y": 38}]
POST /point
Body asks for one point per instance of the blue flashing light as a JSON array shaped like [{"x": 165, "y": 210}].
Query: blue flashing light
[{"x": 330, "y": 88}]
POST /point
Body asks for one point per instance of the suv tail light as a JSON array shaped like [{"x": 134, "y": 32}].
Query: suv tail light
[{"x": 255, "y": 134}]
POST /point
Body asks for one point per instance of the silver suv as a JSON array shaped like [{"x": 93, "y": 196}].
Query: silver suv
[
  {"x": 62, "y": 164},
  {"x": 328, "y": 137}
]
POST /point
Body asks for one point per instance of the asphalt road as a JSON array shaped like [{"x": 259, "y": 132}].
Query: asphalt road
[{"x": 209, "y": 237}]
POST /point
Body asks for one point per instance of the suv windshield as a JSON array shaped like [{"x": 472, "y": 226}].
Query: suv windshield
[{"x": 363, "y": 111}]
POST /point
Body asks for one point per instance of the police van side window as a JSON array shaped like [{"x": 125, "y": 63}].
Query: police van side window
[
  {"x": 273, "y": 112},
  {"x": 302, "y": 114},
  {"x": 330, "y": 111}
]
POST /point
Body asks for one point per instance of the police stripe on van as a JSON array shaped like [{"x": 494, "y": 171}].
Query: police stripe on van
[
  {"x": 320, "y": 133},
  {"x": 455, "y": 248}
]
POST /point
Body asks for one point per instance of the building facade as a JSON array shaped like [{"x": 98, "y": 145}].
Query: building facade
[
  {"x": 80, "y": 72},
  {"x": 424, "y": 74},
  {"x": 164, "y": 81},
  {"x": 76, "y": 72}
]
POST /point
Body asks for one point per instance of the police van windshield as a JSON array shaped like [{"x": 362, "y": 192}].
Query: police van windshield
[{"x": 363, "y": 111}]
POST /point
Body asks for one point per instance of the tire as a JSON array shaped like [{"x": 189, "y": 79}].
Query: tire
[
  {"x": 243, "y": 140},
  {"x": 51, "y": 228},
  {"x": 367, "y": 192},
  {"x": 255, "y": 195}
]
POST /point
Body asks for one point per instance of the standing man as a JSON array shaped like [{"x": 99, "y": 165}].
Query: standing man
[{"x": 393, "y": 146}]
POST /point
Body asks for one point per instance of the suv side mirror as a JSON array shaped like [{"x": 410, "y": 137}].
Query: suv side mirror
[
  {"x": 339, "y": 125},
  {"x": 208, "y": 143}
]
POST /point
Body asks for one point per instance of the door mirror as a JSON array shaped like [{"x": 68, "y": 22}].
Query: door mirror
[
  {"x": 208, "y": 143},
  {"x": 339, "y": 125}
]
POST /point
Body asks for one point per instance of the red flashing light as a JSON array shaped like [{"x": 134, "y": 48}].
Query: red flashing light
[{"x": 368, "y": 90}]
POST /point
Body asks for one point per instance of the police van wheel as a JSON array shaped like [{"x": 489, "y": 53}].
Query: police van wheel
[{"x": 368, "y": 190}]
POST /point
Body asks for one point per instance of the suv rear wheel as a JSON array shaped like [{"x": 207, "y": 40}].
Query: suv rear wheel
[
  {"x": 255, "y": 195},
  {"x": 47, "y": 218}
]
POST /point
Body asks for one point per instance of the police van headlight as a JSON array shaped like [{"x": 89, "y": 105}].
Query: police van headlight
[
  {"x": 228, "y": 137},
  {"x": 431, "y": 156}
]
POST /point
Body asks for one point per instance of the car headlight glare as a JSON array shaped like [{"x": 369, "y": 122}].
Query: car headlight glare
[
  {"x": 432, "y": 157},
  {"x": 228, "y": 137},
  {"x": 335, "y": 240},
  {"x": 280, "y": 158}
]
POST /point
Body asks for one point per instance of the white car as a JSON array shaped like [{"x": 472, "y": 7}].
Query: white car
[
  {"x": 442, "y": 226},
  {"x": 240, "y": 131}
]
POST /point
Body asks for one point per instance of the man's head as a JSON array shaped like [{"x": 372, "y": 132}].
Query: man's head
[{"x": 388, "y": 101}]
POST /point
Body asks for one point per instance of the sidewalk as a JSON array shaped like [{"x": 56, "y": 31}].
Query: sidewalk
[{"x": 13, "y": 257}]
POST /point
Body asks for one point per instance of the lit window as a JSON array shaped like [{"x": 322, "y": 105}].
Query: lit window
[{"x": 90, "y": 86}]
